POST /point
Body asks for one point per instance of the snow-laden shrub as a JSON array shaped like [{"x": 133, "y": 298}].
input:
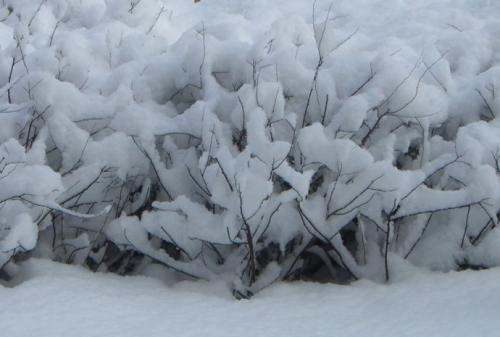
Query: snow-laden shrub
[{"x": 299, "y": 150}]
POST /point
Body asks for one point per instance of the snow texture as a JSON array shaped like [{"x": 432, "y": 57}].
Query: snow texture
[
  {"x": 56, "y": 300},
  {"x": 230, "y": 139}
]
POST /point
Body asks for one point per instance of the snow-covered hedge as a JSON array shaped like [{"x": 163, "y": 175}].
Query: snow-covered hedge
[{"x": 134, "y": 135}]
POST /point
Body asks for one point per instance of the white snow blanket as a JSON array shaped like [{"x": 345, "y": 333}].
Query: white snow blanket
[{"x": 60, "y": 301}]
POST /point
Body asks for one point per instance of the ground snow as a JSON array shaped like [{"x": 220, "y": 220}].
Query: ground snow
[{"x": 59, "y": 300}]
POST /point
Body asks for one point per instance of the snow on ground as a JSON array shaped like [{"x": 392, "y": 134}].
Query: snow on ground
[{"x": 57, "y": 300}]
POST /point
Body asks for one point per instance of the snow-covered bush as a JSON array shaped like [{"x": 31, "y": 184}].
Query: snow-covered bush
[{"x": 301, "y": 148}]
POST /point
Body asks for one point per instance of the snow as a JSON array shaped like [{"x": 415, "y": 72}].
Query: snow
[
  {"x": 56, "y": 300},
  {"x": 223, "y": 128}
]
